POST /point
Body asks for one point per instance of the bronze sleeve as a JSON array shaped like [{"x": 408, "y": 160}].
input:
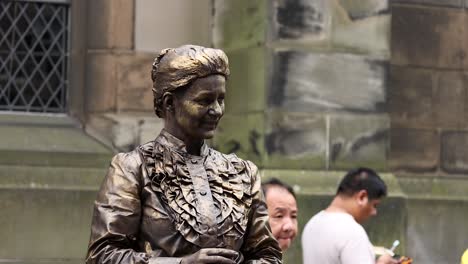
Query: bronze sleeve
[
  {"x": 116, "y": 217},
  {"x": 259, "y": 246}
]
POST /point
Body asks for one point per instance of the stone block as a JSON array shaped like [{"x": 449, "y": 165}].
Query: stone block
[
  {"x": 301, "y": 20},
  {"x": 246, "y": 85},
  {"x": 410, "y": 97},
  {"x": 161, "y": 24},
  {"x": 311, "y": 82},
  {"x": 437, "y": 230},
  {"x": 359, "y": 9},
  {"x": 50, "y": 144},
  {"x": 239, "y": 23},
  {"x": 370, "y": 36},
  {"x": 423, "y": 98},
  {"x": 361, "y": 26},
  {"x": 134, "y": 82},
  {"x": 414, "y": 150},
  {"x": 124, "y": 131},
  {"x": 111, "y": 24},
  {"x": 448, "y": 3},
  {"x": 295, "y": 141},
  {"x": 430, "y": 37},
  {"x": 45, "y": 224},
  {"x": 243, "y": 135},
  {"x": 438, "y": 188},
  {"x": 278, "y": 140},
  {"x": 453, "y": 154},
  {"x": 359, "y": 140},
  {"x": 101, "y": 82},
  {"x": 450, "y": 97},
  {"x": 52, "y": 178}
]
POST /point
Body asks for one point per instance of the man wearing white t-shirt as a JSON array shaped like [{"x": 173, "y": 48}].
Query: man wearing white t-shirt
[{"x": 335, "y": 235}]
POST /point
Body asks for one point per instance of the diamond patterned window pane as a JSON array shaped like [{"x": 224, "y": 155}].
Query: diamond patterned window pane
[{"x": 33, "y": 56}]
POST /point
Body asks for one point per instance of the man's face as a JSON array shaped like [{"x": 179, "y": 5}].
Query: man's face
[
  {"x": 282, "y": 210},
  {"x": 365, "y": 207}
]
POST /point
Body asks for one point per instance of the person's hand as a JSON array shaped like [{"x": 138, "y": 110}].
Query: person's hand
[
  {"x": 387, "y": 259},
  {"x": 211, "y": 255}
]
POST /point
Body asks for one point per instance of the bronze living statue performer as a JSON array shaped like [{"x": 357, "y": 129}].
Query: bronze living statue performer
[{"x": 174, "y": 199}]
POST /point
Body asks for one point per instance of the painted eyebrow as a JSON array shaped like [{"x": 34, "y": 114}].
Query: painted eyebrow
[{"x": 205, "y": 93}]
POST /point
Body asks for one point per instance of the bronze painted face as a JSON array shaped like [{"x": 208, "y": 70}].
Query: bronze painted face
[{"x": 198, "y": 109}]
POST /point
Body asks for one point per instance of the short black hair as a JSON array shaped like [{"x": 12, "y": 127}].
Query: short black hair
[
  {"x": 362, "y": 179},
  {"x": 276, "y": 182}
]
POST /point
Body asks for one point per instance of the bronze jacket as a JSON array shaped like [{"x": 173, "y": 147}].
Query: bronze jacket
[{"x": 158, "y": 203}]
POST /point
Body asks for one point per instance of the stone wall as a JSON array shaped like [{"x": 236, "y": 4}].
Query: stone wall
[
  {"x": 323, "y": 86},
  {"x": 428, "y": 98},
  {"x": 308, "y": 82},
  {"x": 308, "y": 96},
  {"x": 429, "y": 119}
]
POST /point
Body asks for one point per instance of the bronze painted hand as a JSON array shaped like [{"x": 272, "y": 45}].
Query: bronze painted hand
[{"x": 212, "y": 255}]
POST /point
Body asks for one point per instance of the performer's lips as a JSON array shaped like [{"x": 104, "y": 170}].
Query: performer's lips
[{"x": 212, "y": 124}]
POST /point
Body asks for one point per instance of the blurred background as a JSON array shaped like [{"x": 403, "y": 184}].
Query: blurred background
[{"x": 317, "y": 87}]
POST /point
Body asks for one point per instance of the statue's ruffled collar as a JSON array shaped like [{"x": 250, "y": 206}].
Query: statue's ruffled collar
[
  {"x": 228, "y": 176},
  {"x": 168, "y": 140}
]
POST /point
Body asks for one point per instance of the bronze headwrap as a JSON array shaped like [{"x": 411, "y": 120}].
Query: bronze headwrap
[{"x": 174, "y": 68}]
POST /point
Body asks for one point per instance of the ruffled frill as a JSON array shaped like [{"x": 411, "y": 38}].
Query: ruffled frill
[{"x": 230, "y": 183}]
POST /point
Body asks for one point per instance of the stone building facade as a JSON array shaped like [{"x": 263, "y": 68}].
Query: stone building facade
[{"x": 316, "y": 87}]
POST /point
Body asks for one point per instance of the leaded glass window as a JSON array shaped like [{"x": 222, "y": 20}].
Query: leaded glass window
[{"x": 34, "y": 44}]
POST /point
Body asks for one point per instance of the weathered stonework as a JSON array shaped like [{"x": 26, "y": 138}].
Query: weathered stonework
[
  {"x": 124, "y": 131},
  {"x": 161, "y": 24},
  {"x": 443, "y": 219},
  {"x": 246, "y": 85},
  {"x": 296, "y": 141},
  {"x": 360, "y": 9},
  {"x": 361, "y": 26},
  {"x": 119, "y": 82},
  {"x": 414, "y": 150},
  {"x": 450, "y": 100},
  {"x": 448, "y": 3},
  {"x": 311, "y": 82},
  {"x": 239, "y": 24},
  {"x": 301, "y": 19},
  {"x": 410, "y": 97},
  {"x": 101, "y": 80},
  {"x": 29, "y": 215},
  {"x": 428, "y": 37},
  {"x": 134, "y": 82},
  {"x": 358, "y": 140},
  {"x": 242, "y": 134},
  {"x": 357, "y": 26},
  {"x": 453, "y": 153},
  {"x": 111, "y": 24},
  {"x": 311, "y": 62}
]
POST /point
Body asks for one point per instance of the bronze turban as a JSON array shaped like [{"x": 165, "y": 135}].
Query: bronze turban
[{"x": 178, "y": 67}]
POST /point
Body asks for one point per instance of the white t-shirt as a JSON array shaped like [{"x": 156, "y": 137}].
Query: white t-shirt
[{"x": 336, "y": 238}]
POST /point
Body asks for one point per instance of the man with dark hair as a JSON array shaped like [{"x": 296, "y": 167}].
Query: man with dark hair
[
  {"x": 335, "y": 235},
  {"x": 282, "y": 211}
]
